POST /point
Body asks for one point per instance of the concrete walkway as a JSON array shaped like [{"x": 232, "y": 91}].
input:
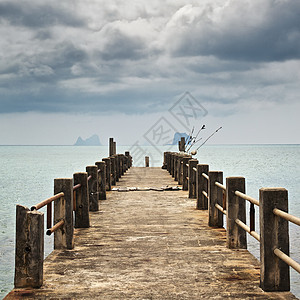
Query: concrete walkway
[{"x": 150, "y": 245}]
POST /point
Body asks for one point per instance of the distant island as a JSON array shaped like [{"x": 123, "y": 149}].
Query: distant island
[
  {"x": 91, "y": 141},
  {"x": 178, "y": 136}
]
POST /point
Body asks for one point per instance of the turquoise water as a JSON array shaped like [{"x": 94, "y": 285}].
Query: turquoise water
[{"x": 27, "y": 174}]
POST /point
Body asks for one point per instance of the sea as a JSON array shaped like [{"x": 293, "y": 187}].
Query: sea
[{"x": 27, "y": 175}]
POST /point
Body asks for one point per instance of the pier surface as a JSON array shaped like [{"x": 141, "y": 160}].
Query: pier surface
[{"x": 149, "y": 245}]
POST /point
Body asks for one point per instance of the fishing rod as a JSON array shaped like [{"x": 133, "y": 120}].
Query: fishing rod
[
  {"x": 188, "y": 140},
  {"x": 195, "y": 138},
  {"x": 207, "y": 139}
]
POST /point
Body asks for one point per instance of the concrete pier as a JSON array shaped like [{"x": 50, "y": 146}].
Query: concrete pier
[{"x": 149, "y": 245}]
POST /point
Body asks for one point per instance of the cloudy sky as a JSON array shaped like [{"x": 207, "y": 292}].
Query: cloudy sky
[{"x": 115, "y": 68}]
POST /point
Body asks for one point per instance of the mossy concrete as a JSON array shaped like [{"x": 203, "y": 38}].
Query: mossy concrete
[{"x": 150, "y": 245}]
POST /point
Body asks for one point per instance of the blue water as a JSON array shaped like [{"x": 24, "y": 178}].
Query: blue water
[{"x": 27, "y": 174}]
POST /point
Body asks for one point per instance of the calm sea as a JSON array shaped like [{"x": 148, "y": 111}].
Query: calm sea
[{"x": 27, "y": 174}]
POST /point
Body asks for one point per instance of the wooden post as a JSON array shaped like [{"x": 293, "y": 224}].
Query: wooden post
[
  {"x": 185, "y": 173},
  {"x": 164, "y": 166},
  {"x": 172, "y": 164},
  {"x": 236, "y": 236},
  {"x": 274, "y": 233},
  {"x": 111, "y": 146},
  {"x": 29, "y": 255},
  {"x": 176, "y": 156},
  {"x": 202, "y": 185},
  {"x": 169, "y": 158},
  {"x": 122, "y": 156},
  {"x": 127, "y": 157},
  {"x": 120, "y": 165},
  {"x": 93, "y": 187},
  {"x": 82, "y": 217},
  {"x": 114, "y": 148},
  {"x": 182, "y": 144},
  {"x": 147, "y": 161},
  {"x": 192, "y": 178},
  {"x": 113, "y": 170},
  {"x": 102, "y": 179},
  {"x": 108, "y": 173},
  {"x": 117, "y": 167},
  {"x": 215, "y": 196},
  {"x": 179, "y": 167},
  {"x": 63, "y": 210}
]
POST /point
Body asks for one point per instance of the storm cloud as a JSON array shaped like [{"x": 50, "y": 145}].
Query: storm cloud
[{"x": 136, "y": 56}]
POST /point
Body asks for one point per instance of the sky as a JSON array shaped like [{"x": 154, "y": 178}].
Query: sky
[{"x": 129, "y": 69}]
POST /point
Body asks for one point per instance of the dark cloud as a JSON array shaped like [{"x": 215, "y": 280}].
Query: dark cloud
[
  {"x": 133, "y": 58},
  {"x": 31, "y": 14},
  {"x": 260, "y": 31}
]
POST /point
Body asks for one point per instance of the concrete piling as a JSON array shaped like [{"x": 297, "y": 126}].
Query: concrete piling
[
  {"x": 192, "y": 178},
  {"x": 108, "y": 173}
]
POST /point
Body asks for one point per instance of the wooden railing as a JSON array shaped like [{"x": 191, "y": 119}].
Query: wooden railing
[
  {"x": 78, "y": 195},
  {"x": 230, "y": 200}
]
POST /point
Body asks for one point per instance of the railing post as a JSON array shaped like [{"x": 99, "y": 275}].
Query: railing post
[
  {"x": 215, "y": 196},
  {"x": 176, "y": 167},
  {"x": 63, "y": 210},
  {"x": 117, "y": 167},
  {"x": 202, "y": 185},
  {"x": 113, "y": 170},
  {"x": 82, "y": 217},
  {"x": 164, "y": 166},
  {"x": 172, "y": 164},
  {"x": 111, "y": 146},
  {"x": 93, "y": 187},
  {"x": 147, "y": 161},
  {"x": 102, "y": 179},
  {"x": 185, "y": 173},
  {"x": 121, "y": 164},
  {"x": 274, "y": 233},
  {"x": 108, "y": 173},
  {"x": 127, "y": 156},
  {"x": 236, "y": 237},
  {"x": 192, "y": 178},
  {"x": 179, "y": 167},
  {"x": 29, "y": 255}
]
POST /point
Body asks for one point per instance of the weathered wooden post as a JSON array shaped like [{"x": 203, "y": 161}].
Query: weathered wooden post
[
  {"x": 202, "y": 185},
  {"x": 147, "y": 161},
  {"x": 114, "y": 148},
  {"x": 176, "y": 167},
  {"x": 181, "y": 144},
  {"x": 236, "y": 236},
  {"x": 274, "y": 234},
  {"x": 120, "y": 165},
  {"x": 117, "y": 167},
  {"x": 108, "y": 173},
  {"x": 113, "y": 170},
  {"x": 93, "y": 187},
  {"x": 127, "y": 157},
  {"x": 179, "y": 166},
  {"x": 63, "y": 210},
  {"x": 215, "y": 196},
  {"x": 192, "y": 178},
  {"x": 172, "y": 164},
  {"x": 82, "y": 204},
  {"x": 164, "y": 166},
  {"x": 102, "y": 179},
  {"x": 29, "y": 255},
  {"x": 111, "y": 146},
  {"x": 185, "y": 173}
]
